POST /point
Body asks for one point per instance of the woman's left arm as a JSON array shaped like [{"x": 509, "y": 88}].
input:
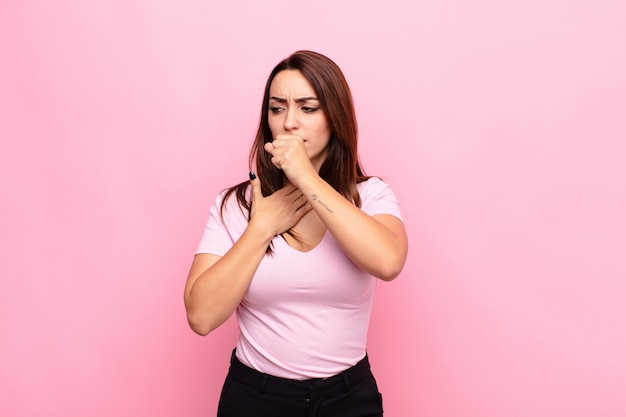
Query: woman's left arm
[{"x": 377, "y": 244}]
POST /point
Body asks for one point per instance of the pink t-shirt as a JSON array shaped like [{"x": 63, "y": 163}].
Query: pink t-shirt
[{"x": 305, "y": 314}]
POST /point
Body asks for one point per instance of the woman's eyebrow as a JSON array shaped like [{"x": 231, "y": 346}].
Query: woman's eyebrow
[{"x": 298, "y": 100}]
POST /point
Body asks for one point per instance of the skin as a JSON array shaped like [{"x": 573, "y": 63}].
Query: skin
[
  {"x": 306, "y": 205},
  {"x": 299, "y": 126}
]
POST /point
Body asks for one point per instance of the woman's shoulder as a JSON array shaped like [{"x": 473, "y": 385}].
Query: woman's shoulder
[
  {"x": 371, "y": 184},
  {"x": 377, "y": 197},
  {"x": 227, "y": 201}
]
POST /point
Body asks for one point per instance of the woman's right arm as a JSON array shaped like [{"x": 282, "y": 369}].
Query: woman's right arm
[{"x": 216, "y": 285}]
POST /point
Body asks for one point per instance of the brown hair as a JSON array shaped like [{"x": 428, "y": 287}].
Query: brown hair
[{"x": 341, "y": 168}]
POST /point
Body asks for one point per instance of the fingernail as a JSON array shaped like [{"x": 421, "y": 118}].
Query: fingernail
[{"x": 252, "y": 176}]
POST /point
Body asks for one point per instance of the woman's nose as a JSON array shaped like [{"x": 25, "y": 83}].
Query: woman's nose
[{"x": 291, "y": 120}]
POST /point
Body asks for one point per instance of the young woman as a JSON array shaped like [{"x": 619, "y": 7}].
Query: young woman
[{"x": 296, "y": 252}]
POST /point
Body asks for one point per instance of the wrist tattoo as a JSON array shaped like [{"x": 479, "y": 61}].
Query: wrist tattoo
[{"x": 314, "y": 197}]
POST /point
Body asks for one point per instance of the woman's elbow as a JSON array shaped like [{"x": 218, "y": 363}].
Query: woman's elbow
[
  {"x": 390, "y": 268},
  {"x": 198, "y": 328},
  {"x": 390, "y": 273},
  {"x": 200, "y": 325}
]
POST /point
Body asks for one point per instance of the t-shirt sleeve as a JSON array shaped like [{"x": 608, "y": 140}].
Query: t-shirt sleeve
[
  {"x": 377, "y": 197},
  {"x": 221, "y": 232}
]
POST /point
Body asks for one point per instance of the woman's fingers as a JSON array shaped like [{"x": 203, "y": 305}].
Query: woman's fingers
[
  {"x": 280, "y": 210},
  {"x": 287, "y": 151},
  {"x": 256, "y": 187}
]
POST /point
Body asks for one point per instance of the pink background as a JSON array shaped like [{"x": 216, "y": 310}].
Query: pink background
[{"x": 501, "y": 126}]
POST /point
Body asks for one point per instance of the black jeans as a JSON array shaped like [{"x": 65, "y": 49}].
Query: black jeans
[{"x": 250, "y": 393}]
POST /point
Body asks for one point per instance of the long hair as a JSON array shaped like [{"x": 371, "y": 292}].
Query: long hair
[{"x": 341, "y": 168}]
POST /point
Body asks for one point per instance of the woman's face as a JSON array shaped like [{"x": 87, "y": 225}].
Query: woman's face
[{"x": 295, "y": 110}]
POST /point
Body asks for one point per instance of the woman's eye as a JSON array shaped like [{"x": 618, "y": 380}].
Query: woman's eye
[
  {"x": 310, "y": 109},
  {"x": 276, "y": 109}
]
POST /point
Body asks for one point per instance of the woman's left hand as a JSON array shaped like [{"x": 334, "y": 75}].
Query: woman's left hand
[{"x": 289, "y": 154}]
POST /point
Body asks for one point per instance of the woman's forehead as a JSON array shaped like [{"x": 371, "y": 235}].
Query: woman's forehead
[{"x": 291, "y": 84}]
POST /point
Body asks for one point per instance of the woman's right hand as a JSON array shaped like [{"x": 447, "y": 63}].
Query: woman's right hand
[
  {"x": 216, "y": 284},
  {"x": 278, "y": 212}
]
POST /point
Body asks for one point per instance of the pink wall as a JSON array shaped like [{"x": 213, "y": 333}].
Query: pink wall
[{"x": 501, "y": 125}]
